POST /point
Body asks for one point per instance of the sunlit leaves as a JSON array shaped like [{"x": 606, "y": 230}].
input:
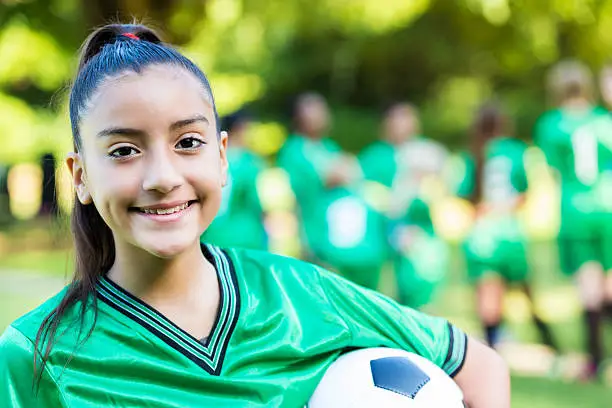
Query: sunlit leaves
[
  {"x": 454, "y": 103},
  {"x": 497, "y": 12},
  {"x": 233, "y": 91},
  {"x": 223, "y": 13},
  {"x": 266, "y": 138},
  {"x": 357, "y": 16},
  {"x": 27, "y": 133},
  {"x": 31, "y": 56},
  {"x": 17, "y": 129}
]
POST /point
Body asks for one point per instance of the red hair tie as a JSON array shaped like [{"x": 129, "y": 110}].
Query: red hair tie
[{"x": 130, "y": 35}]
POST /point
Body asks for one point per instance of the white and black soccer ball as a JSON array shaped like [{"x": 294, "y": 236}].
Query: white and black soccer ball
[{"x": 385, "y": 378}]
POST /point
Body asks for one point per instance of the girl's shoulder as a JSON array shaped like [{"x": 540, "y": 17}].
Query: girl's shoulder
[
  {"x": 255, "y": 270},
  {"x": 258, "y": 262}
]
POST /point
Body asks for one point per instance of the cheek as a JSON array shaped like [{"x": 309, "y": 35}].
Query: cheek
[
  {"x": 207, "y": 184},
  {"x": 113, "y": 184},
  {"x": 205, "y": 175}
]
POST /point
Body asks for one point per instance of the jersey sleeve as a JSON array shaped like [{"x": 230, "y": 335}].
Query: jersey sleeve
[
  {"x": 463, "y": 175},
  {"x": 304, "y": 178},
  {"x": 377, "y": 321},
  {"x": 17, "y": 375},
  {"x": 547, "y": 143},
  {"x": 368, "y": 163}
]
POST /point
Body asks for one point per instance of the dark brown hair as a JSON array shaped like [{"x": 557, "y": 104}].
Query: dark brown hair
[{"x": 490, "y": 121}]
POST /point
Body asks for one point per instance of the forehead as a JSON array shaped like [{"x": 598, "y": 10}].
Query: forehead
[
  {"x": 156, "y": 94},
  {"x": 402, "y": 111}
]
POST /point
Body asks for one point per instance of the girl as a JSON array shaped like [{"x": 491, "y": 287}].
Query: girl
[
  {"x": 569, "y": 137},
  {"x": 495, "y": 250},
  {"x": 404, "y": 161},
  {"x": 153, "y": 318}
]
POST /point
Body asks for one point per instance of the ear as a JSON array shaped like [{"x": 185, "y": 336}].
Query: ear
[
  {"x": 75, "y": 165},
  {"x": 223, "y": 156}
]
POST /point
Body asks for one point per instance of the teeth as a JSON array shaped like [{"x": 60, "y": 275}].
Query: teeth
[{"x": 165, "y": 211}]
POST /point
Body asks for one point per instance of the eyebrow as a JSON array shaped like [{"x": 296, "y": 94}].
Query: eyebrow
[
  {"x": 182, "y": 123},
  {"x": 137, "y": 132}
]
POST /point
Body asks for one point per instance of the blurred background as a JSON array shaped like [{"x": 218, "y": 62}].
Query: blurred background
[{"x": 444, "y": 57}]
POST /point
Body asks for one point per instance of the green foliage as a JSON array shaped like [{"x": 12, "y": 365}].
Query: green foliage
[
  {"x": 23, "y": 49},
  {"x": 445, "y": 56}
]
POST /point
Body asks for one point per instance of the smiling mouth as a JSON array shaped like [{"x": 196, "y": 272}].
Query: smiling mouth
[{"x": 163, "y": 211}]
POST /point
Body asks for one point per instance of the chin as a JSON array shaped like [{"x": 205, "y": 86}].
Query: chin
[
  {"x": 167, "y": 247},
  {"x": 167, "y": 252}
]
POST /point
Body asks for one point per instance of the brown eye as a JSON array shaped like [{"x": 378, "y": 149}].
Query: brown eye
[
  {"x": 123, "y": 152},
  {"x": 189, "y": 143}
]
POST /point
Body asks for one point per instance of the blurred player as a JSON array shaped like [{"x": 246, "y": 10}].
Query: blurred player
[
  {"x": 404, "y": 161},
  {"x": 240, "y": 206},
  {"x": 573, "y": 150},
  {"x": 496, "y": 248},
  {"x": 605, "y": 184},
  {"x": 379, "y": 160},
  {"x": 153, "y": 317},
  {"x": 341, "y": 228}
]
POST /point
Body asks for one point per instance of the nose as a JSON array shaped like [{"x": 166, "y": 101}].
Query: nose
[{"x": 161, "y": 172}]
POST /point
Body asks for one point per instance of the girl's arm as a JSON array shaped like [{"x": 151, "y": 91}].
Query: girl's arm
[{"x": 484, "y": 377}]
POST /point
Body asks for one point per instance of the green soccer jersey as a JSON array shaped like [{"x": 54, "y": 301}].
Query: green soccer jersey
[
  {"x": 340, "y": 226},
  {"x": 240, "y": 205},
  {"x": 307, "y": 162},
  {"x": 399, "y": 168},
  {"x": 504, "y": 177},
  {"x": 461, "y": 178},
  {"x": 573, "y": 149},
  {"x": 378, "y": 162},
  {"x": 281, "y": 323},
  {"x": 419, "y": 268},
  {"x": 601, "y": 130},
  {"x": 504, "y": 174},
  {"x": 350, "y": 233},
  {"x": 496, "y": 242}
]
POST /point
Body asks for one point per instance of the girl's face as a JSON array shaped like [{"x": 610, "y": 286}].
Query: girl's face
[
  {"x": 314, "y": 117},
  {"x": 151, "y": 161},
  {"x": 400, "y": 124}
]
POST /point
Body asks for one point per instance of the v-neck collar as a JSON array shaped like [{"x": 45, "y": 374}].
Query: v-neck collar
[{"x": 208, "y": 356}]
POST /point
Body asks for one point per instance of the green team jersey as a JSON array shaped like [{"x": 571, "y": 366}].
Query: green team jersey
[
  {"x": 378, "y": 162},
  {"x": 601, "y": 130},
  {"x": 281, "y": 324},
  {"x": 461, "y": 178},
  {"x": 573, "y": 149},
  {"x": 349, "y": 233},
  {"x": 420, "y": 268},
  {"x": 504, "y": 176},
  {"x": 387, "y": 164},
  {"x": 497, "y": 242},
  {"x": 341, "y": 227},
  {"x": 307, "y": 162},
  {"x": 240, "y": 205}
]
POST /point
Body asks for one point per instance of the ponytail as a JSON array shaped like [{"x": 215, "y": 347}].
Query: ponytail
[{"x": 489, "y": 123}]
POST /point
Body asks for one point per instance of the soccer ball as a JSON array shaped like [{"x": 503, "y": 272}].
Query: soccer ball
[{"x": 384, "y": 377}]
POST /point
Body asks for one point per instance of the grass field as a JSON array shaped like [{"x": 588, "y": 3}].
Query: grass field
[{"x": 27, "y": 278}]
